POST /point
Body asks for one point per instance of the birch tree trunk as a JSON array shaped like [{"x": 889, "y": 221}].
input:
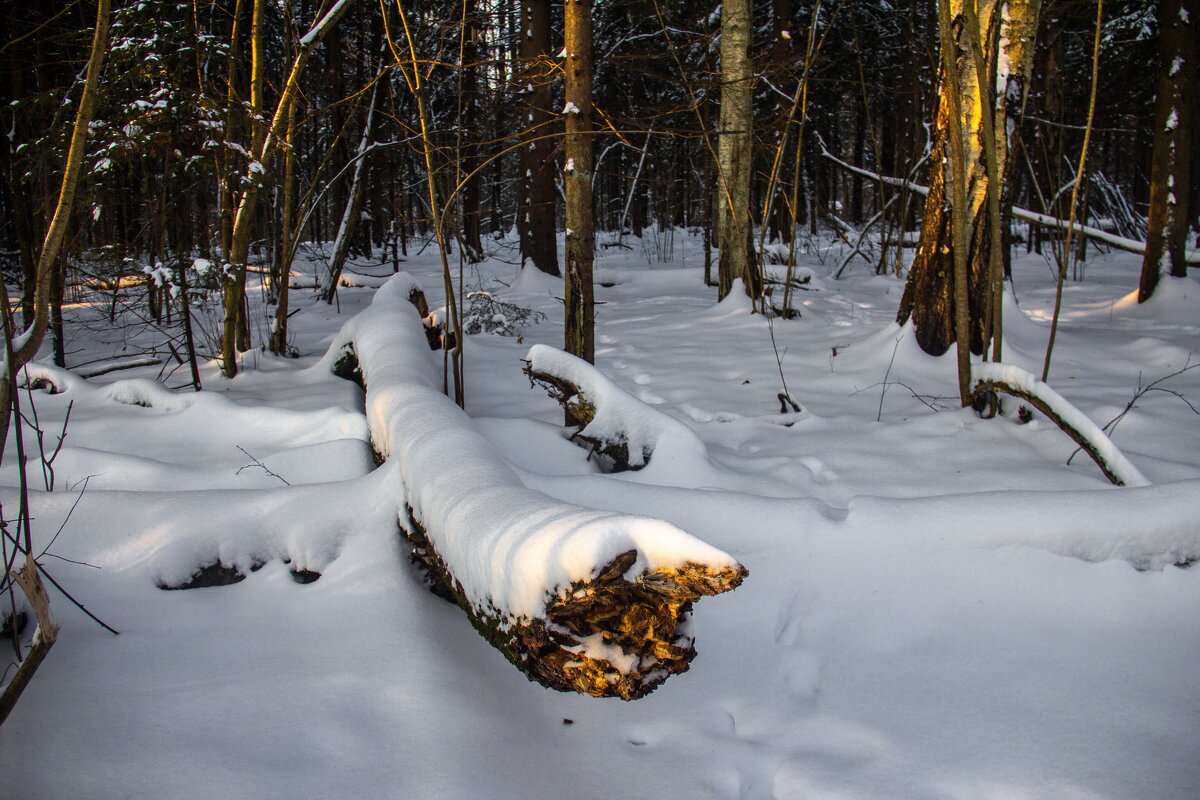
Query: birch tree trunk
[
  {"x": 580, "y": 312},
  {"x": 734, "y": 153},
  {"x": 1174, "y": 115},
  {"x": 354, "y": 204}
]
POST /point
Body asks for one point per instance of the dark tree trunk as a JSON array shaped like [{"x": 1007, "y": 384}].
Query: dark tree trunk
[
  {"x": 580, "y": 309},
  {"x": 1174, "y": 116},
  {"x": 535, "y": 217}
]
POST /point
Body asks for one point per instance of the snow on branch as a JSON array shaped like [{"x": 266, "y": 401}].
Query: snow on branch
[
  {"x": 1119, "y": 242},
  {"x": 614, "y": 423},
  {"x": 576, "y": 598},
  {"x": 322, "y": 25},
  {"x": 1073, "y": 422}
]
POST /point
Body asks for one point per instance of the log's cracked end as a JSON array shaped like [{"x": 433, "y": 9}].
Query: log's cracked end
[
  {"x": 630, "y": 635},
  {"x": 607, "y": 636}
]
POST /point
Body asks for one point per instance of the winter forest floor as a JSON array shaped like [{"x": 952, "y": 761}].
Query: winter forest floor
[{"x": 938, "y": 605}]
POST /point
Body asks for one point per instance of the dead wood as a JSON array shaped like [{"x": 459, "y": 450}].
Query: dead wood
[
  {"x": 44, "y": 636},
  {"x": 613, "y": 635},
  {"x": 580, "y": 411},
  {"x": 619, "y": 632},
  {"x": 981, "y": 388}
]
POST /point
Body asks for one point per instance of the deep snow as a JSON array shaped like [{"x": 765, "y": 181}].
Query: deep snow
[{"x": 938, "y": 605}]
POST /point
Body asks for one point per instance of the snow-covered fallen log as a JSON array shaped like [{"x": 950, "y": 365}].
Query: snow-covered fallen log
[
  {"x": 612, "y": 423},
  {"x": 578, "y": 599},
  {"x": 1073, "y": 422}
]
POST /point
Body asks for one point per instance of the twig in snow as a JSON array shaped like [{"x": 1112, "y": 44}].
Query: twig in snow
[
  {"x": 260, "y": 465},
  {"x": 66, "y": 520},
  {"x": 888, "y": 372},
  {"x": 785, "y": 397},
  {"x": 929, "y": 400},
  {"x": 1153, "y": 386}
]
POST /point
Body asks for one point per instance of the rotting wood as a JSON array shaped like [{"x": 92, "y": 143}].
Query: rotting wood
[
  {"x": 618, "y": 632},
  {"x": 981, "y": 388},
  {"x": 580, "y": 411},
  {"x": 637, "y": 621}
]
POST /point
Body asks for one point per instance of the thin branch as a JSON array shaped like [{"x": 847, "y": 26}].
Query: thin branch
[
  {"x": 260, "y": 465},
  {"x": 1153, "y": 386}
]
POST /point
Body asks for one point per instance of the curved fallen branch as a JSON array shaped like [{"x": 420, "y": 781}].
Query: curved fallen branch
[
  {"x": 1017, "y": 382},
  {"x": 578, "y": 599}
]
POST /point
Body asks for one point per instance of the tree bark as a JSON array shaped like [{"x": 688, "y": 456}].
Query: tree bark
[
  {"x": 1174, "y": 116},
  {"x": 538, "y": 199},
  {"x": 580, "y": 311},
  {"x": 734, "y": 153},
  {"x": 982, "y": 131}
]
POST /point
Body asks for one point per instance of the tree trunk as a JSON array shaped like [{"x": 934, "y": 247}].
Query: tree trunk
[
  {"x": 982, "y": 135},
  {"x": 581, "y": 241},
  {"x": 47, "y": 266},
  {"x": 353, "y": 209},
  {"x": 470, "y": 129},
  {"x": 734, "y": 153},
  {"x": 239, "y": 245},
  {"x": 1174, "y": 116},
  {"x": 535, "y": 219},
  {"x": 287, "y": 247}
]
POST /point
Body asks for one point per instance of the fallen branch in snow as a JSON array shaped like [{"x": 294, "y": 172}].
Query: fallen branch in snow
[
  {"x": 577, "y": 599},
  {"x": 1087, "y": 434},
  {"x": 116, "y": 366},
  {"x": 255, "y": 462},
  {"x": 612, "y": 423},
  {"x": 1119, "y": 242}
]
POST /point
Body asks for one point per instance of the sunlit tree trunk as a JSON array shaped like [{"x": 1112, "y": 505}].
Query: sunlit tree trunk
[
  {"x": 581, "y": 240},
  {"x": 734, "y": 152},
  {"x": 1174, "y": 116},
  {"x": 962, "y": 229},
  {"x": 30, "y": 341},
  {"x": 535, "y": 217}
]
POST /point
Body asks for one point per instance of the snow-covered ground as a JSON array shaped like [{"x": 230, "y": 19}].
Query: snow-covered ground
[{"x": 938, "y": 605}]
